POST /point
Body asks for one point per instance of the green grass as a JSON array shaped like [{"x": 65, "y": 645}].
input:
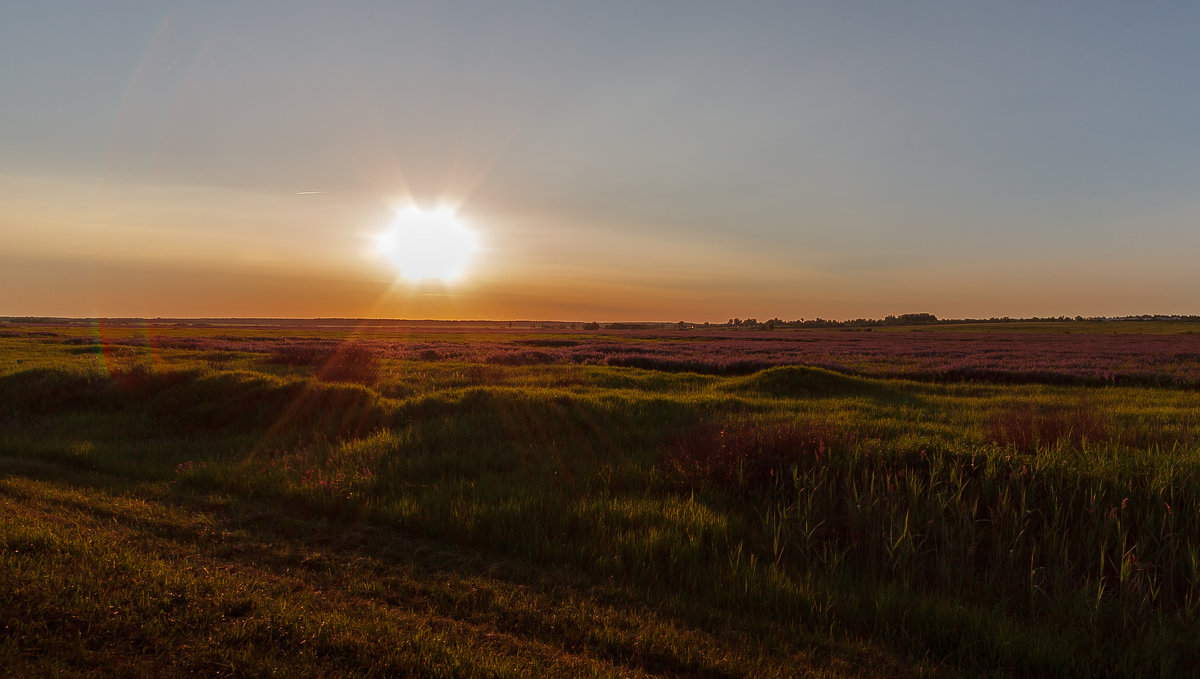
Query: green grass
[{"x": 167, "y": 514}]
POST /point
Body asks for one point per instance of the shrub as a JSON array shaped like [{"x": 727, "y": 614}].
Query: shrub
[
  {"x": 300, "y": 355},
  {"x": 546, "y": 342},
  {"x": 520, "y": 358},
  {"x": 1026, "y": 426},
  {"x": 748, "y": 456},
  {"x": 350, "y": 363},
  {"x": 346, "y": 362}
]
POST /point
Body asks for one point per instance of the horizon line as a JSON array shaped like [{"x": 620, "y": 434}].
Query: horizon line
[{"x": 933, "y": 320}]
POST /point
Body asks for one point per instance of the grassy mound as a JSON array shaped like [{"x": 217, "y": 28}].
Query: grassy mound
[{"x": 800, "y": 381}]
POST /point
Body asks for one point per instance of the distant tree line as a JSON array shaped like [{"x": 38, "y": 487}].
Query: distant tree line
[
  {"x": 866, "y": 323},
  {"x": 902, "y": 319},
  {"x": 923, "y": 319}
]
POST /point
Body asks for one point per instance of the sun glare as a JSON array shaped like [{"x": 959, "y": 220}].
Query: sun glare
[{"x": 428, "y": 245}]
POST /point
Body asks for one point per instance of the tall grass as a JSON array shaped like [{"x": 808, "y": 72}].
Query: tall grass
[{"x": 1102, "y": 543}]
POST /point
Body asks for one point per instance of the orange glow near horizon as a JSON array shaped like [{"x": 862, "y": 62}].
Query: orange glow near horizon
[{"x": 123, "y": 249}]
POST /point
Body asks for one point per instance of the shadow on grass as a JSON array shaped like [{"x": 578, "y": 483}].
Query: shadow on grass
[
  {"x": 797, "y": 381},
  {"x": 493, "y": 596}
]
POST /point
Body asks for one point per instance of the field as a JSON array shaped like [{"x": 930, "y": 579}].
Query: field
[{"x": 484, "y": 500}]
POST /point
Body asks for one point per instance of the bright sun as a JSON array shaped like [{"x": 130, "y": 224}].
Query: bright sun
[{"x": 428, "y": 244}]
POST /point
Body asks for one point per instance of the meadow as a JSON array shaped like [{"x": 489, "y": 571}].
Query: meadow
[{"x": 321, "y": 499}]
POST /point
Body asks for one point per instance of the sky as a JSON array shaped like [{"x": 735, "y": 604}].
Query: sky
[{"x": 615, "y": 160}]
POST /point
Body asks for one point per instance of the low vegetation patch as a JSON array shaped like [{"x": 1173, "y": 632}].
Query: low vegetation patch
[
  {"x": 345, "y": 362},
  {"x": 1025, "y": 427},
  {"x": 749, "y": 457}
]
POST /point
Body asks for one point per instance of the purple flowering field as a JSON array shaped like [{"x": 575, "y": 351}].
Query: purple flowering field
[{"x": 988, "y": 356}]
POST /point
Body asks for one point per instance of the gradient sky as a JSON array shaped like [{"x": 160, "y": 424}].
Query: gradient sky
[{"x": 619, "y": 160}]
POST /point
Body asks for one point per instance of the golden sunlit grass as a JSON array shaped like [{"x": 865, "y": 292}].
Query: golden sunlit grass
[{"x": 428, "y": 245}]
